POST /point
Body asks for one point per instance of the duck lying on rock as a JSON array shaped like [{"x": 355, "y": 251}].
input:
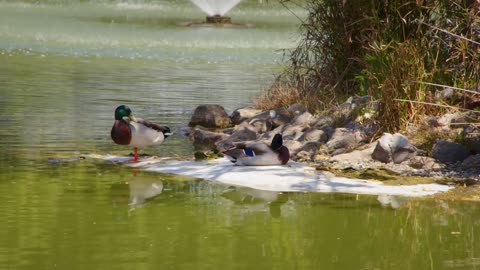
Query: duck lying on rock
[
  {"x": 136, "y": 132},
  {"x": 259, "y": 153}
]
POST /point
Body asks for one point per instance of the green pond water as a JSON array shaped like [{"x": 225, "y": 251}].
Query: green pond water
[{"x": 65, "y": 66}]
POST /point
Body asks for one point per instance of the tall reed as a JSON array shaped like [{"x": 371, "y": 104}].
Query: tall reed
[{"x": 385, "y": 49}]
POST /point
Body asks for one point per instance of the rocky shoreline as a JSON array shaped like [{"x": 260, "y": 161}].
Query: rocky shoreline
[{"x": 345, "y": 140}]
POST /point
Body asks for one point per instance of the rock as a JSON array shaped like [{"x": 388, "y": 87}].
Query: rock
[
  {"x": 357, "y": 156},
  {"x": 445, "y": 94},
  {"x": 449, "y": 95},
  {"x": 240, "y": 135},
  {"x": 356, "y": 101},
  {"x": 269, "y": 135},
  {"x": 472, "y": 161},
  {"x": 446, "y": 119},
  {"x": 292, "y": 132},
  {"x": 321, "y": 121},
  {"x": 260, "y": 126},
  {"x": 206, "y": 138},
  {"x": 446, "y": 151},
  {"x": 185, "y": 131},
  {"x": 457, "y": 120},
  {"x": 210, "y": 116},
  {"x": 311, "y": 147},
  {"x": 471, "y": 138},
  {"x": 289, "y": 132},
  {"x": 257, "y": 125},
  {"x": 293, "y": 146},
  {"x": 303, "y": 156},
  {"x": 426, "y": 163},
  {"x": 302, "y": 119},
  {"x": 344, "y": 140},
  {"x": 370, "y": 128},
  {"x": 242, "y": 114},
  {"x": 394, "y": 148},
  {"x": 228, "y": 131},
  {"x": 431, "y": 121},
  {"x": 315, "y": 135},
  {"x": 277, "y": 117},
  {"x": 296, "y": 109}
]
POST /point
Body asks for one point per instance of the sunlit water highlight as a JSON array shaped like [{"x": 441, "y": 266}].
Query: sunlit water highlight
[{"x": 65, "y": 65}]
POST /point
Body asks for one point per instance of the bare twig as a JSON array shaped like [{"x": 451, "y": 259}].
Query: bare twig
[
  {"x": 449, "y": 33},
  {"x": 434, "y": 104},
  {"x": 446, "y": 86}
]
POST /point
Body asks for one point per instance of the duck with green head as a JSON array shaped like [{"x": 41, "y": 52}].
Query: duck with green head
[
  {"x": 259, "y": 153},
  {"x": 136, "y": 132}
]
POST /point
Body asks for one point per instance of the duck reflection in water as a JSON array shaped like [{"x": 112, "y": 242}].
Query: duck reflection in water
[
  {"x": 257, "y": 200},
  {"x": 143, "y": 189},
  {"x": 138, "y": 189}
]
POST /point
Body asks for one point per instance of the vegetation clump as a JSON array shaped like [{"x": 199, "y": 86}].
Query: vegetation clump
[{"x": 400, "y": 53}]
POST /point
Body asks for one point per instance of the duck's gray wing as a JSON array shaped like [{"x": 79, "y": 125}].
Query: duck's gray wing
[
  {"x": 152, "y": 125},
  {"x": 235, "y": 153},
  {"x": 257, "y": 147}
]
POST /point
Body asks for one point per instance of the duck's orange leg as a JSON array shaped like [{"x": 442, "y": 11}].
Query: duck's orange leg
[{"x": 135, "y": 154}]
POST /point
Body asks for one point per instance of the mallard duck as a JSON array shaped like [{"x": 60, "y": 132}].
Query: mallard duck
[
  {"x": 259, "y": 153},
  {"x": 136, "y": 132}
]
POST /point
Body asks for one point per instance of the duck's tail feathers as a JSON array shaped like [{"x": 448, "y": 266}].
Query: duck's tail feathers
[{"x": 234, "y": 154}]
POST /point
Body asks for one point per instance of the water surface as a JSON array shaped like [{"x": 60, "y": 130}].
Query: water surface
[{"x": 65, "y": 65}]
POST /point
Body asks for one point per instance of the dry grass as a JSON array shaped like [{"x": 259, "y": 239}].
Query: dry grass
[{"x": 277, "y": 97}]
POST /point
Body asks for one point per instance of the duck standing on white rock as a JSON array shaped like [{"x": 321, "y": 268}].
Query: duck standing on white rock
[
  {"x": 136, "y": 132},
  {"x": 259, "y": 153}
]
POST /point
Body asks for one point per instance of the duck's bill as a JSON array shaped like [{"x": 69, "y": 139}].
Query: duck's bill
[{"x": 132, "y": 118}]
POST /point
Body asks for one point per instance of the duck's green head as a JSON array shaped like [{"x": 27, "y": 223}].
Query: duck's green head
[
  {"x": 277, "y": 142},
  {"x": 123, "y": 111}
]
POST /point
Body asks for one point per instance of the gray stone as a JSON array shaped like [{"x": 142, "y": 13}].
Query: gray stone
[
  {"x": 303, "y": 156},
  {"x": 302, "y": 119},
  {"x": 277, "y": 117},
  {"x": 321, "y": 121},
  {"x": 448, "y": 94},
  {"x": 296, "y": 109},
  {"x": 205, "y": 137},
  {"x": 293, "y": 146},
  {"x": 314, "y": 135},
  {"x": 260, "y": 126},
  {"x": 344, "y": 140},
  {"x": 382, "y": 151},
  {"x": 311, "y": 147},
  {"x": 269, "y": 135},
  {"x": 394, "y": 148},
  {"x": 242, "y": 114},
  {"x": 292, "y": 132},
  {"x": 471, "y": 138},
  {"x": 431, "y": 121},
  {"x": 446, "y": 151},
  {"x": 210, "y": 116},
  {"x": 357, "y": 156},
  {"x": 185, "y": 131},
  {"x": 357, "y": 101},
  {"x": 239, "y": 135},
  {"x": 426, "y": 163},
  {"x": 457, "y": 120},
  {"x": 472, "y": 161},
  {"x": 257, "y": 125}
]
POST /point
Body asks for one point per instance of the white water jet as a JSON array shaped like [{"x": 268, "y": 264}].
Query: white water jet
[{"x": 215, "y": 7}]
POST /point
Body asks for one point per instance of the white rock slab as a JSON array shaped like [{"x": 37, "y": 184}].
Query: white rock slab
[{"x": 294, "y": 176}]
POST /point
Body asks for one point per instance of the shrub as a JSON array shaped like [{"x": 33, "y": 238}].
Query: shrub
[{"x": 389, "y": 49}]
